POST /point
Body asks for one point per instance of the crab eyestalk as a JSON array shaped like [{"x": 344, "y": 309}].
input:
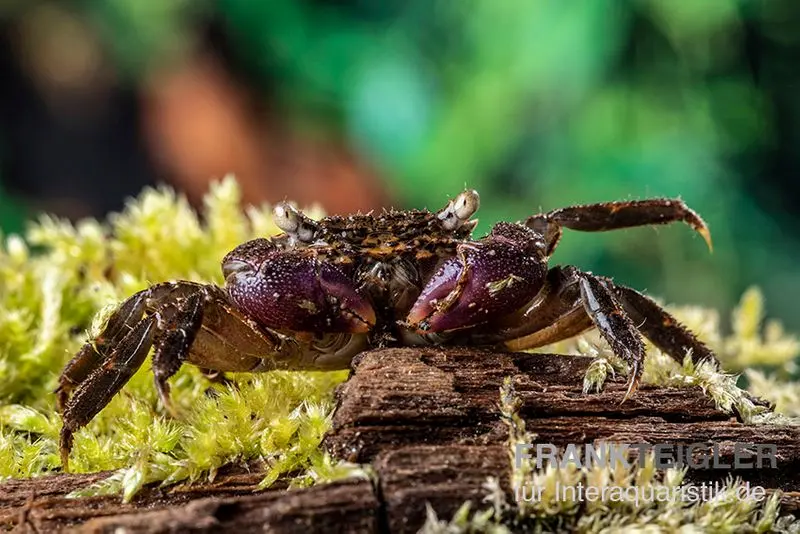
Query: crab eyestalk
[
  {"x": 294, "y": 222},
  {"x": 458, "y": 211},
  {"x": 488, "y": 278},
  {"x": 294, "y": 290}
]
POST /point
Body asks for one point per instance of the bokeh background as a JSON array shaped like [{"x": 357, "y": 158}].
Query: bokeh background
[{"x": 358, "y": 104}]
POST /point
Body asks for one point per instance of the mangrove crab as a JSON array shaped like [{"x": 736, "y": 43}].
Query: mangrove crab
[{"x": 322, "y": 291}]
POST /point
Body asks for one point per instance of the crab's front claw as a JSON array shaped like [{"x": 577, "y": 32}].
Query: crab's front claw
[
  {"x": 487, "y": 279},
  {"x": 297, "y": 291}
]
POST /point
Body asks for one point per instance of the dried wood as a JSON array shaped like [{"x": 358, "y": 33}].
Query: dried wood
[{"x": 428, "y": 422}]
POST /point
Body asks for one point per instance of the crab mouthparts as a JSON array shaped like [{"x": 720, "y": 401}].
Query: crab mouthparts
[
  {"x": 360, "y": 321},
  {"x": 353, "y": 313}
]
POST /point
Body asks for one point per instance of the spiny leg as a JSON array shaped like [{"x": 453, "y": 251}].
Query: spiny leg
[
  {"x": 570, "y": 324},
  {"x": 614, "y": 325},
  {"x": 178, "y": 327},
  {"x": 665, "y": 332},
  {"x": 660, "y": 327},
  {"x": 104, "y": 365},
  {"x": 97, "y": 390},
  {"x": 616, "y": 215},
  {"x": 197, "y": 324},
  {"x": 95, "y": 352}
]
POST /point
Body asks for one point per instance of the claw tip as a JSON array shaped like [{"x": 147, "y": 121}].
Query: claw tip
[
  {"x": 633, "y": 386},
  {"x": 703, "y": 231}
]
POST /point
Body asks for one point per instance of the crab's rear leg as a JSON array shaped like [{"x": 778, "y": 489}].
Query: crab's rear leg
[
  {"x": 666, "y": 333},
  {"x": 206, "y": 330},
  {"x": 614, "y": 325},
  {"x": 616, "y": 215},
  {"x": 186, "y": 323},
  {"x": 661, "y": 328},
  {"x": 557, "y": 314},
  {"x": 165, "y": 316},
  {"x": 178, "y": 327}
]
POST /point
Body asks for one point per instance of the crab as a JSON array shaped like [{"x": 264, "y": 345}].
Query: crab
[{"x": 316, "y": 295}]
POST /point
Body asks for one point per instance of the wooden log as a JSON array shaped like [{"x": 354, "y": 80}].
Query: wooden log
[
  {"x": 428, "y": 421},
  {"x": 229, "y": 504},
  {"x": 435, "y": 396},
  {"x": 443, "y": 476}
]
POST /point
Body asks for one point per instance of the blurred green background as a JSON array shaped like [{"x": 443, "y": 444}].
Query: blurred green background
[{"x": 538, "y": 104}]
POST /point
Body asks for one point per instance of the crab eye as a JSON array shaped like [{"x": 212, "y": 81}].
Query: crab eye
[
  {"x": 459, "y": 210},
  {"x": 293, "y": 222},
  {"x": 466, "y": 204}
]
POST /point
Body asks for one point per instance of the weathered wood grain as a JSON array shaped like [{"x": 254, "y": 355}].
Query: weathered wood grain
[
  {"x": 428, "y": 422},
  {"x": 230, "y": 504}
]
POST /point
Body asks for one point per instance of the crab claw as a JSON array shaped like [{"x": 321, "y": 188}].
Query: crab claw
[
  {"x": 294, "y": 290},
  {"x": 488, "y": 278}
]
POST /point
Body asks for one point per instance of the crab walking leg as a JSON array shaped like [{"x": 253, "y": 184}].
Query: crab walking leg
[
  {"x": 615, "y": 326},
  {"x": 172, "y": 345},
  {"x": 570, "y": 324},
  {"x": 188, "y": 323},
  {"x": 97, "y": 390},
  {"x": 661, "y": 328},
  {"x": 614, "y": 216},
  {"x": 94, "y": 353},
  {"x": 575, "y": 301}
]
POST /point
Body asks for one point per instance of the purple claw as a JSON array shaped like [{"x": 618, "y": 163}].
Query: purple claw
[
  {"x": 488, "y": 279},
  {"x": 294, "y": 290}
]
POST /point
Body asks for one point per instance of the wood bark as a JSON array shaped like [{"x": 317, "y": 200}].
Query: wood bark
[{"x": 428, "y": 422}]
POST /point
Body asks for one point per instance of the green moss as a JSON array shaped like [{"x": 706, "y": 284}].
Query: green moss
[{"x": 753, "y": 342}]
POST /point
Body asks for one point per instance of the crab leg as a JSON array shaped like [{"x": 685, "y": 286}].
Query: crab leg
[
  {"x": 661, "y": 328},
  {"x": 563, "y": 309},
  {"x": 184, "y": 322},
  {"x": 615, "y": 215},
  {"x": 104, "y": 365},
  {"x": 172, "y": 346},
  {"x": 96, "y": 391},
  {"x": 571, "y": 302},
  {"x": 614, "y": 325},
  {"x": 94, "y": 353}
]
